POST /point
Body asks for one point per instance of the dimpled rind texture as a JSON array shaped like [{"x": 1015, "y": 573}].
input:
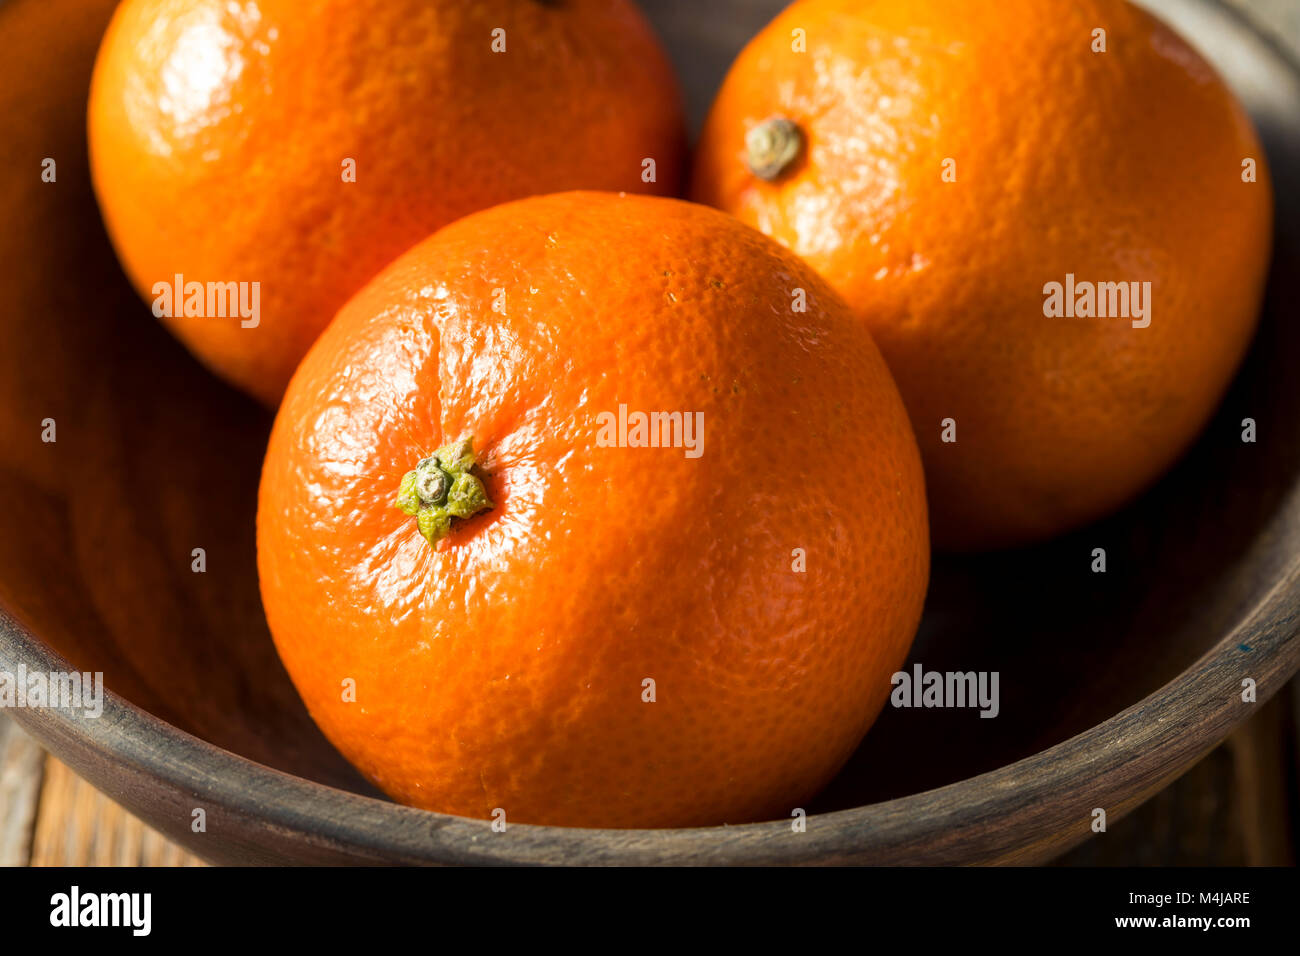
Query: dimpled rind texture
[
  {"x": 506, "y": 668},
  {"x": 1116, "y": 167},
  {"x": 219, "y": 132}
]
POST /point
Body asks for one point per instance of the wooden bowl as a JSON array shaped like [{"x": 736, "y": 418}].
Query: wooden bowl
[{"x": 1111, "y": 684}]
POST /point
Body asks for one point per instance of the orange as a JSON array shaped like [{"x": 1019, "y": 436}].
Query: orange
[
  {"x": 595, "y": 632},
  {"x": 942, "y": 163},
  {"x": 303, "y": 146}
]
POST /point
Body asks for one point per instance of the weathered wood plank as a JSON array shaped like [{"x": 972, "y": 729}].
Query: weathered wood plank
[
  {"x": 1261, "y": 751},
  {"x": 79, "y": 826},
  {"x": 21, "y": 765}
]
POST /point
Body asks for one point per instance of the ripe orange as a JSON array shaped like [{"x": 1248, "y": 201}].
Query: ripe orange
[
  {"x": 941, "y": 163},
  {"x": 762, "y": 591},
  {"x": 223, "y": 136}
]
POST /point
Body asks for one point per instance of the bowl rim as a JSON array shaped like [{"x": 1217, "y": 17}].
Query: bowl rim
[{"x": 997, "y": 816}]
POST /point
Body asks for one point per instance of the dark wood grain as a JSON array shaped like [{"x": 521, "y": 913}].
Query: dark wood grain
[{"x": 1113, "y": 685}]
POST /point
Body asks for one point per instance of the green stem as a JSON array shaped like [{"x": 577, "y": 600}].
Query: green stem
[
  {"x": 773, "y": 146},
  {"x": 442, "y": 489}
]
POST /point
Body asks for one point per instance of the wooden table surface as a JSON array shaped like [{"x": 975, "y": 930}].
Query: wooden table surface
[
  {"x": 1238, "y": 806},
  {"x": 51, "y": 817}
]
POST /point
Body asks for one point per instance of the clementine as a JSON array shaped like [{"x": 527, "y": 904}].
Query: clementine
[
  {"x": 608, "y": 513},
  {"x": 302, "y": 147},
  {"x": 1055, "y": 219}
]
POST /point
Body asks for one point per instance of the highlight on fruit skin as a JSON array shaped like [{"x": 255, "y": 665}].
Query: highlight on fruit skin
[
  {"x": 635, "y": 634},
  {"x": 947, "y": 188},
  {"x": 302, "y": 146}
]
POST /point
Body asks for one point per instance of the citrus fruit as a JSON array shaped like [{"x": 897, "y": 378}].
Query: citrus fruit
[
  {"x": 608, "y": 624},
  {"x": 303, "y": 146},
  {"x": 1054, "y": 218}
]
